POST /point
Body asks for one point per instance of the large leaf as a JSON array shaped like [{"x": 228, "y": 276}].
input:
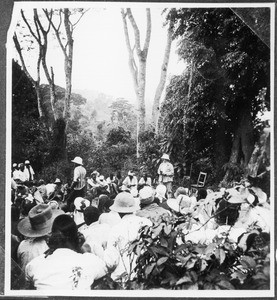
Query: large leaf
[
  {"x": 183, "y": 259},
  {"x": 220, "y": 255},
  {"x": 184, "y": 279},
  {"x": 162, "y": 260},
  {"x": 159, "y": 250},
  {"x": 210, "y": 249},
  {"x": 204, "y": 265},
  {"x": 247, "y": 262},
  {"x": 149, "y": 269}
]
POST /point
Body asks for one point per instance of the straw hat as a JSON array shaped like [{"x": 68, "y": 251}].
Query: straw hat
[
  {"x": 78, "y": 160},
  {"x": 39, "y": 221},
  {"x": 80, "y": 203},
  {"x": 146, "y": 195},
  {"x": 125, "y": 203},
  {"x": 165, "y": 156}
]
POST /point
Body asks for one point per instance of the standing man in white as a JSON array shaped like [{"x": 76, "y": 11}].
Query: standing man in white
[
  {"x": 166, "y": 173},
  {"x": 78, "y": 185}
]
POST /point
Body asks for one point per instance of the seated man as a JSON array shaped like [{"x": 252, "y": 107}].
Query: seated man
[
  {"x": 131, "y": 183},
  {"x": 145, "y": 180},
  {"x": 150, "y": 209}
]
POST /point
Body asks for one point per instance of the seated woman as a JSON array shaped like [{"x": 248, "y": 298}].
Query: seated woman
[{"x": 63, "y": 267}]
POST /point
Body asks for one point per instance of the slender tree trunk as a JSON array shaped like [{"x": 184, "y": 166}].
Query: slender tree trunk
[
  {"x": 160, "y": 87},
  {"x": 138, "y": 72},
  {"x": 141, "y": 95}
]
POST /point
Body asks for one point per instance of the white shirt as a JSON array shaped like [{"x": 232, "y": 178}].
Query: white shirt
[
  {"x": 79, "y": 177},
  {"x": 96, "y": 233},
  {"x": 21, "y": 176},
  {"x": 66, "y": 269},
  {"x": 120, "y": 236},
  {"x": 16, "y": 174},
  {"x": 147, "y": 182},
  {"x": 131, "y": 183},
  {"x": 29, "y": 175},
  {"x": 111, "y": 218},
  {"x": 166, "y": 172},
  {"x": 29, "y": 249}
]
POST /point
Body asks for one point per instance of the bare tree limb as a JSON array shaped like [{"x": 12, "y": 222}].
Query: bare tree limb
[
  {"x": 34, "y": 82},
  {"x": 82, "y": 14},
  {"x": 131, "y": 60},
  {"x": 136, "y": 31},
  {"x": 160, "y": 87},
  {"x": 148, "y": 32},
  {"x": 56, "y": 30},
  {"x": 37, "y": 38}
]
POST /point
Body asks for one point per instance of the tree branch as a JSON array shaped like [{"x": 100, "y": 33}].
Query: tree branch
[
  {"x": 82, "y": 14},
  {"x": 30, "y": 28},
  {"x": 18, "y": 49},
  {"x": 56, "y": 30},
  {"x": 132, "y": 63},
  {"x": 136, "y": 31}
]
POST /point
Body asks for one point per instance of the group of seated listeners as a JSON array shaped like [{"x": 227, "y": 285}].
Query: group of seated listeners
[{"x": 59, "y": 248}]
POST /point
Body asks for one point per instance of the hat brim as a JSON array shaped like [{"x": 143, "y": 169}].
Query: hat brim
[
  {"x": 77, "y": 162},
  {"x": 124, "y": 209},
  {"x": 174, "y": 205},
  {"x": 25, "y": 228}
]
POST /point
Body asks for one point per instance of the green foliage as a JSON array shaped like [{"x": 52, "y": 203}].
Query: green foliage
[
  {"x": 123, "y": 115},
  {"x": 228, "y": 71},
  {"x": 61, "y": 169},
  {"x": 165, "y": 259},
  {"x": 30, "y": 138},
  {"x": 118, "y": 135},
  {"x": 116, "y": 153},
  {"x": 149, "y": 152}
]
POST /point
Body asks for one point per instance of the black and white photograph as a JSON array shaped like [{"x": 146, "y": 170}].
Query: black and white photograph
[{"x": 139, "y": 149}]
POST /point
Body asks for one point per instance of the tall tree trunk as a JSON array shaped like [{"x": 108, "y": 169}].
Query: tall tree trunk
[
  {"x": 138, "y": 72},
  {"x": 59, "y": 140},
  {"x": 160, "y": 87}
]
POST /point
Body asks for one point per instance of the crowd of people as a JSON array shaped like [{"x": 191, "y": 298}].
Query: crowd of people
[{"x": 67, "y": 236}]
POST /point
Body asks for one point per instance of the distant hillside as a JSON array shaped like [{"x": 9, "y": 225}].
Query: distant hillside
[{"x": 99, "y": 101}]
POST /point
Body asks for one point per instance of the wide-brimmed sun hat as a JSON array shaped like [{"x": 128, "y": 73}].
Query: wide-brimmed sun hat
[
  {"x": 146, "y": 195},
  {"x": 179, "y": 204},
  {"x": 39, "y": 221},
  {"x": 160, "y": 191},
  {"x": 14, "y": 165},
  {"x": 125, "y": 203},
  {"x": 165, "y": 156},
  {"x": 80, "y": 203},
  {"x": 27, "y": 162},
  {"x": 78, "y": 160}
]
